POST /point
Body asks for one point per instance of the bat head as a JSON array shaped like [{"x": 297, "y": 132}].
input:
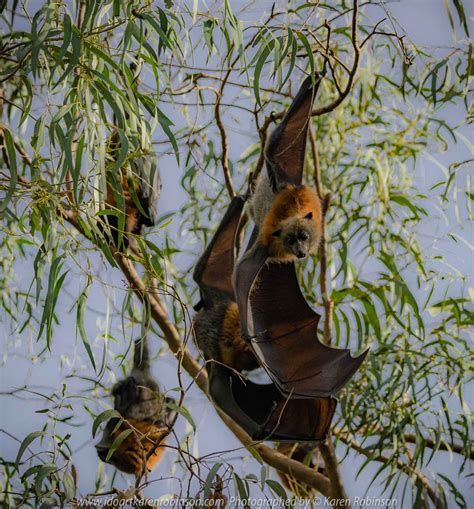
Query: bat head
[{"x": 295, "y": 239}]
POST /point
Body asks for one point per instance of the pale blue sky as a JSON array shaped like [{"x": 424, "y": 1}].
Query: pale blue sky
[{"x": 426, "y": 23}]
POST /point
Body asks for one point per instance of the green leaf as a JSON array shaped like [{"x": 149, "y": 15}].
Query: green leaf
[
  {"x": 277, "y": 488},
  {"x": 241, "y": 488},
  {"x": 81, "y": 304},
  {"x": 11, "y": 154},
  {"x": 24, "y": 445},
  {"x": 165, "y": 123},
  {"x": 67, "y": 30},
  {"x": 209, "y": 479},
  {"x": 116, "y": 443},
  {"x": 55, "y": 282},
  {"x": 182, "y": 410},
  {"x": 267, "y": 48},
  {"x": 255, "y": 454},
  {"x": 309, "y": 51},
  {"x": 104, "y": 416},
  {"x": 75, "y": 55},
  {"x": 122, "y": 151}
]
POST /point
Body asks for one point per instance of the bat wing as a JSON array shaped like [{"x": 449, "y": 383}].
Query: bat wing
[
  {"x": 282, "y": 329},
  {"x": 285, "y": 150},
  {"x": 213, "y": 272},
  {"x": 262, "y": 411}
]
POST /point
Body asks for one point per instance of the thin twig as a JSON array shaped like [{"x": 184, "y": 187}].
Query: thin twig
[
  {"x": 224, "y": 142},
  {"x": 325, "y": 200},
  {"x": 406, "y": 469},
  {"x": 353, "y": 71},
  {"x": 271, "y": 457}
]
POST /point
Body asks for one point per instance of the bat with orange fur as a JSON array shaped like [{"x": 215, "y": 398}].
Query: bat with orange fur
[
  {"x": 131, "y": 192},
  {"x": 144, "y": 411},
  {"x": 275, "y": 317}
]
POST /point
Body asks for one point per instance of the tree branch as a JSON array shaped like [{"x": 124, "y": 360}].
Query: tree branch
[
  {"x": 353, "y": 71},
  {"x": 299, "y": 471},
  {"x": 224, "y": 142},
  {"x": 331, "y": 464},
  {"x": 325, "y": 201}
]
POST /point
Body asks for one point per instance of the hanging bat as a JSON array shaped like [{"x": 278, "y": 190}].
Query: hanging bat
[
  {"x": 143, "y": 409},
  {"x": 274, "y": 315},
  {"x": 260, "y": 409},
  {"x": 287, "y": 213},
  {"x": 131, "y": 193}
]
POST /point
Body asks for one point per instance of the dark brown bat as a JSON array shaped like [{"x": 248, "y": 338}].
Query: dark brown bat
[
  {"x": 275, "y": 317},
  {"x": 131, "y": 194},
  {"x": 143, "y": 408},
  {"x": 260, "y": 409}
]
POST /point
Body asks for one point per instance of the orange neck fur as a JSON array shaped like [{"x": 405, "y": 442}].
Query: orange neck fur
[{"x": 291, "y": 202}]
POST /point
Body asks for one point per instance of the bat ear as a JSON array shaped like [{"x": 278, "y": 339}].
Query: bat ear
[
  {"x": 285, "y": 150},
  {"x": 276, "y": 233},
  {"x": 309, "y": 216}
]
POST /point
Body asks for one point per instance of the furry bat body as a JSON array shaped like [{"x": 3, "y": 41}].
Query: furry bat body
[
  {"x": 219, "y": 337},
  {"x": 259, "y": 408},
  {"x": 131, "y": 194},
  {"x": 143, "y": 409},
  {"x": 275, "y": 317},
  {"x": 289, "y": 220}
]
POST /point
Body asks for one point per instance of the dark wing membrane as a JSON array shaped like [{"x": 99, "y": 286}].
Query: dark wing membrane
[
  {"x": 245, "y": 275},
  {"x": 265, "y": 414},
  {"x": 282, "y": 329},
  {"x": 300, "y": 420},
  {"x": 285, "y": 150},
  {"x": 213, "y": 272},
  {"x": 261, "y": 410}
]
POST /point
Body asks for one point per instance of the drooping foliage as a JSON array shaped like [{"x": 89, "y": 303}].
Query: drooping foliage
[{"x": 194, "y": 89}]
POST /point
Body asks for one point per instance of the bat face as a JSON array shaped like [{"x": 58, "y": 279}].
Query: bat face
[
  {"x": 291, "y": 229},
  {"x": 295, "y": 240}
]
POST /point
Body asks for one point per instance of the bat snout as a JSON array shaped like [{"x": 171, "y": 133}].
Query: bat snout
[{"x": 300, "y": 254}]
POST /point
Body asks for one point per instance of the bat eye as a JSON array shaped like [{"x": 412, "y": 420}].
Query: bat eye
[
  {"x": 303, "y": 236},
  {"x": 291, "y": 241},
  {"x": 309, "y": 216},
  {"x": 276, "y": 233}
]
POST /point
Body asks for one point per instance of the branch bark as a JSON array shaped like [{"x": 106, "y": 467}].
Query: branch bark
[
  {"x": 224, "y": 142},
  {"x": 273, "y": 458}
]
